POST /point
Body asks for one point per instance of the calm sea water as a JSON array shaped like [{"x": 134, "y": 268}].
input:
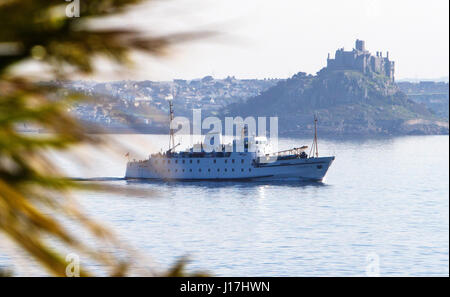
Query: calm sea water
[{"x": 384, "y": 202}]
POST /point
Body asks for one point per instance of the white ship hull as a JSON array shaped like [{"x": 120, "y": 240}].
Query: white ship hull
[{"x": 239, "y": 166}]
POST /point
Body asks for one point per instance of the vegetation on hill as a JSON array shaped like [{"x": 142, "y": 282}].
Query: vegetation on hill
[{"x": 346, "y": 103}]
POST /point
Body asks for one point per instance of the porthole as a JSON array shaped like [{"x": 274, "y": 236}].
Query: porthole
[
  {"x": 190, "y": 170},
  {"x": 184, "y": 161},
  {"x": 215, "y": 161},
  {"x": 319, "y": 166},
  {"x": 225, "y": 170},
  {"x": 190, "y": 161},
  {"x": 199, "y": 170},
  {"x": 232, "y": 169},
  {"x": 218, "y": 169},
  {"x": 226, "y": 161},
  {"x": 232, "y": 161},
  {"x": 198, "y": 161},
  {"x": 242, "y": 161},
  {"x": 242, "y": 169}
]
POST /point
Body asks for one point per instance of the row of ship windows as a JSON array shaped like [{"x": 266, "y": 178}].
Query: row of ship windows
[
  {"x": 209, "y": 170},
  {"x": 198, "y": 161}
]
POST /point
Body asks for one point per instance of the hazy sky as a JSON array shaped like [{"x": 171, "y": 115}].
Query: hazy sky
[{"x": 268, "y": 38}]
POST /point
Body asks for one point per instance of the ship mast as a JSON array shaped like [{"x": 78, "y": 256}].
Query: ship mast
[
  {"x": 171, "y": 131},
  {"x": 314, "y": 147},
  {"x": 315, "y": 136}
]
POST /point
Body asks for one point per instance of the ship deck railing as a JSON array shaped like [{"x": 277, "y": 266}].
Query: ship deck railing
[{"x": 296, "y": 151}]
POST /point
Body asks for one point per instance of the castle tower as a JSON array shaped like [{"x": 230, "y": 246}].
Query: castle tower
[{"x": 360, "y": 45}]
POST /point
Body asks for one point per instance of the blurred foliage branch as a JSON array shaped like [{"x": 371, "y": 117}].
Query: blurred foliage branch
[{"x": 30, "y": 185}]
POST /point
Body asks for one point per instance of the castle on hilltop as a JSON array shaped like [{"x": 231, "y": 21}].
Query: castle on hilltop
[{"x": 362, "y": 60}]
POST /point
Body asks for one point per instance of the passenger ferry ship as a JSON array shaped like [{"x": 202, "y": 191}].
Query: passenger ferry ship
[{"x": 255, "y": 162}]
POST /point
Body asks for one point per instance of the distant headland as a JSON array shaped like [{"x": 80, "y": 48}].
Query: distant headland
[{"x": 354, "y": 95}]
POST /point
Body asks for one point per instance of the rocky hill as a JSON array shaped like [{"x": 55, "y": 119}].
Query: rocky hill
[{"x": 347, "y": 102}]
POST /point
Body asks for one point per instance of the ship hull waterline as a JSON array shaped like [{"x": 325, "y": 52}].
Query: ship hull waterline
[{"x": 238, "y": 169}]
